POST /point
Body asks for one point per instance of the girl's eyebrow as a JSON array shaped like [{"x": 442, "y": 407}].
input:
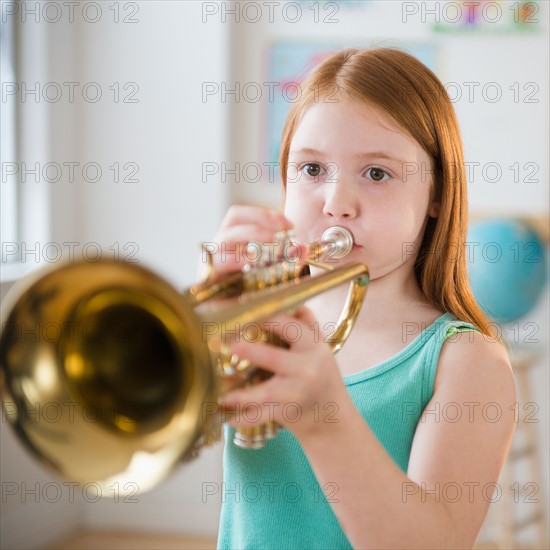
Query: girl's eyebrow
[
  {"x": 372, "y": 154},
  {"x": 307, "y": 151}
]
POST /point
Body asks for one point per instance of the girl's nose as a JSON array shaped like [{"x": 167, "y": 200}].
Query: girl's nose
[{"x": 341, "y": 200}]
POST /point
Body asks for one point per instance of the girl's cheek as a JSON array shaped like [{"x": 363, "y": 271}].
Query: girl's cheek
[
  {"x": 290, "y": 209},
  {"x": 296, "y": 206},
  {"x": 292, "y": 173}
]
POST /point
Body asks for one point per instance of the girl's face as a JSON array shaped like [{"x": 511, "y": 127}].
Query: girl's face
[{"x": 351, "y": 165}]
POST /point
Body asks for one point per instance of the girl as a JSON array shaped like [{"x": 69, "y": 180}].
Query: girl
[{"x": 395, "y": 442}]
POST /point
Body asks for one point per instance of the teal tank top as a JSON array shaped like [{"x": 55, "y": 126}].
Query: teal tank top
[{"x": 270, "y": 496}]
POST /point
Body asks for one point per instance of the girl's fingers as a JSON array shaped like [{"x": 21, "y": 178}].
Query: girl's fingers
[
  {"x": 301, "y": 314},
  {"x": 305, "y": 315},
  {"x": 230, "y": 247},
  {"x": 267, "y": 356},
  {"x": 257, "y": 405},
  {"x": 242, "y": 226},
  {"x": 243, "y": 214},
  {"x": 258, "y": 395},
  {"x": 244, "y": 234},
  {"x": 299, "y": 330}
]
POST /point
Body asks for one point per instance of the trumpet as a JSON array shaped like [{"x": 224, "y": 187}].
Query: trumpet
[{"x": 110, "y": 375}]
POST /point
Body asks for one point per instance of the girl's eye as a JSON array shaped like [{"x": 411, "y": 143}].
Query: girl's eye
[
  {"x": 377, "y": 174},
  {"x": 312, "y": 169}
]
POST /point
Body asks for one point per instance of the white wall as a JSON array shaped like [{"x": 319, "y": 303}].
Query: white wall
[{"x": 168, "y": 133}]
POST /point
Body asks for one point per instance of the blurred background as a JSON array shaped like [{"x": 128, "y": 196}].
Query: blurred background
[{"x": 128, "y": 128}]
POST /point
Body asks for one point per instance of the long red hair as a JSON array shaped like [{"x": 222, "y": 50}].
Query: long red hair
[{"x": 412, "y": 95}]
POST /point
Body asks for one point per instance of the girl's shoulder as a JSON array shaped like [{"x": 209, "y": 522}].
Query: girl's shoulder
[{"x": 470, "y": 357}]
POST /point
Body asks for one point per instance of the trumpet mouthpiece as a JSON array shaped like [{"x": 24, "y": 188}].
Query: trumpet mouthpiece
[{"x": 338, "y": 241}]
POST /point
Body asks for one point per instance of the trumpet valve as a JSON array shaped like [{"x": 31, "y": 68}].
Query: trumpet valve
[
  {"x": 270, "y": 430},
  {"x": 250, "y": 437}
]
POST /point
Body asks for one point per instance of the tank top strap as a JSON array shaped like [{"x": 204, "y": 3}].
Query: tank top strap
[{"x": 445, "y": 328}]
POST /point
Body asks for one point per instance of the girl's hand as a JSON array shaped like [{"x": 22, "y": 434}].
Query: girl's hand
[
  {"x": 306, "y": 390},
  {"x": 241, "y": 226}
]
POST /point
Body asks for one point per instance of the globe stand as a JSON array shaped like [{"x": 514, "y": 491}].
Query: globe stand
[{"x": 522, "y": 502}]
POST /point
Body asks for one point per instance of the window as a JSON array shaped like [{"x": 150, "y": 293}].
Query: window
[
  {"x": 8, "y": 144},
  {"x": 23, "y": 139}
]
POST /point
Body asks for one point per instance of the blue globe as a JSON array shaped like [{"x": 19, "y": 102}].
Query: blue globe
[{"x": 507, "y": 267}]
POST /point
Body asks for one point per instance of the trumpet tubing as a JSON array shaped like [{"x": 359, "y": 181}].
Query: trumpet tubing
[{"x": 129, "y": 366}]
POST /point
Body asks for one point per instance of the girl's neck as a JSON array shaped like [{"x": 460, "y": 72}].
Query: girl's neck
[{"x": 390, "y": 299}]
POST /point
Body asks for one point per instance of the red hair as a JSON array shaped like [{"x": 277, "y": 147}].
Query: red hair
[{"x": 411, "y": 95}]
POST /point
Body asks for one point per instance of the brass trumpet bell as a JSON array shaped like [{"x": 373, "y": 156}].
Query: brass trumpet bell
[{"x": 104, "y": 377}]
